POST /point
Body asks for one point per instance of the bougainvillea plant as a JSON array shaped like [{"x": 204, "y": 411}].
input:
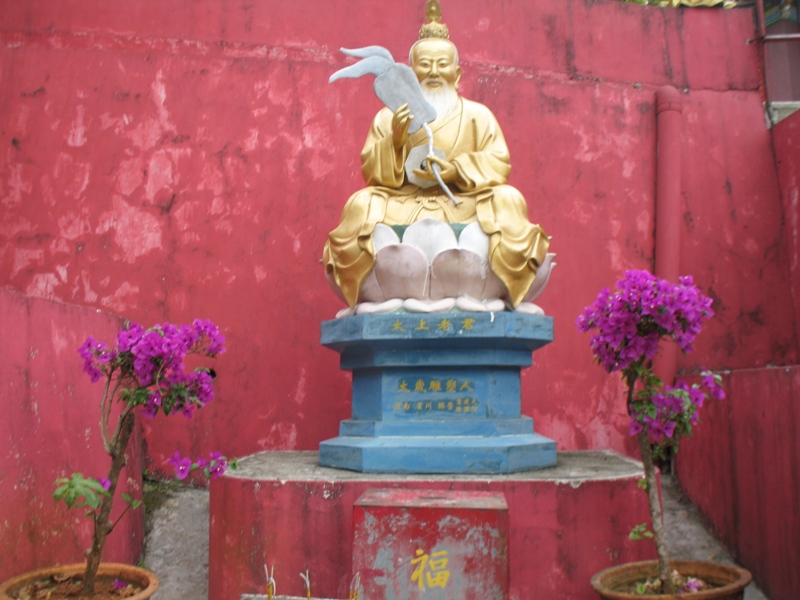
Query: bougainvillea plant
[
  {"x": 627, "y": 327},
  {"x": 143, "y": 371}
]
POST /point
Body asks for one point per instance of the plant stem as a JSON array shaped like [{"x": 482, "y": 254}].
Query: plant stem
[
  {"x": 102, "y": 521},
  {"x": 105, "y": 413},
  {"x": 119, "y": 518},
  {"x": 103, "y": 418},
  {"x": 118, "y": 431},
  {"x": 664, "y": 568}
]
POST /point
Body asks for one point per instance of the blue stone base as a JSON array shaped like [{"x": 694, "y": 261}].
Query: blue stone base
[
  {"x": 437, "y": 393},
  {"x": 430, "y": 454}
]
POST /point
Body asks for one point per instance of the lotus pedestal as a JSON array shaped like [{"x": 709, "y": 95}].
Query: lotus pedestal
[{"x": 437, "y": 393}]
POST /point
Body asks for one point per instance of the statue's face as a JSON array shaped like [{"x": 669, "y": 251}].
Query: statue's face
[{"x": 435, "y": 61}]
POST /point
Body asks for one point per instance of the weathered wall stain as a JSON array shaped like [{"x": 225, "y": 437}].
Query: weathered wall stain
[{"x": 170, "y": 163}]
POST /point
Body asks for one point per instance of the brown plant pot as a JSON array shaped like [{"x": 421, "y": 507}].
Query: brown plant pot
[
  {"x": 730, "y": 580},
  {"x": 129, "y": 573}
]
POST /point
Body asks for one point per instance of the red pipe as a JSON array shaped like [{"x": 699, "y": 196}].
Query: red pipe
[
  {"x": 761, "y": 19},
  {"x": 668, "y": 206},
  {"x": 761, "y": 27}
]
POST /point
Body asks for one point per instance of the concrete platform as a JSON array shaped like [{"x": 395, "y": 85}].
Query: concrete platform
[
  {"x": 285, "y": 510},
  {"x": 177, "y": 541}
]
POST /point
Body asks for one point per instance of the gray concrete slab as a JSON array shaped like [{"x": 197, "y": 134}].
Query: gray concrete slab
[
  {"x": 690, "y": 537},
  {"x": 572, "y": 467},
  {"x": 176, "y": 546}
]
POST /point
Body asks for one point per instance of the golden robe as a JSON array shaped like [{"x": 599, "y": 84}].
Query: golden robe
[{"x": 472, "y": 140}]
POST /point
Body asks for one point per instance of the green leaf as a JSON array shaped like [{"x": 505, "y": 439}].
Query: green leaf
[
  {"x": 640, "y": 532},
  {"x": 78, "y": 491},
  {"x": 134, "y": 503}
]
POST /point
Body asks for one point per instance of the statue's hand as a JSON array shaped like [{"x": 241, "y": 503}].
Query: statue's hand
[
  {"x": 400, "y": 123},
  {"x": 447, "y": 170}
]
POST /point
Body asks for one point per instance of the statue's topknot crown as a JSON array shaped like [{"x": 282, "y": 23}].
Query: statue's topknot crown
[{"x": 433, "y": 27}]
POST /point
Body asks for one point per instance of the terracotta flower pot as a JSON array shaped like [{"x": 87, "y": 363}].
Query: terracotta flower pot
[
  {"x": 128, "y": 573},
  {"x": 730, "y": 580}
]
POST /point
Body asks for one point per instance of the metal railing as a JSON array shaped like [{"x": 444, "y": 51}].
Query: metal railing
[
  {"x": 762, "y": 28},
  {"x": 764, "y": 38}
]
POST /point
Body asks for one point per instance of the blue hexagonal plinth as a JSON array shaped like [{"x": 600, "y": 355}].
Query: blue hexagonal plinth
[{"x": 437, "y": 393}]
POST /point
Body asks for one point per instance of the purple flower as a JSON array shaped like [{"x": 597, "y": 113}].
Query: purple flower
[
  {"x": 217, "y": 465},
  {"x": 657, "y": 429},
  {"x": 629, "y": 323},
  {"x": 119, "y": 585},
  {"x": 710, "y": 381},
  {"x": 182, "y": 466},
  {"x": 217, "y": 469},
  {"x": 96, "y": 357},
  {"x": 691, "y": 585},
  {"x": 154, "y": 401},
  {"x": 207, "y": 329},
  {"x": 105, "y": 483},
  {"x": 126, "y": 338},
  {"x": 198, "y": 385},
  {"x": 627, "y": 326},
  {"x": 146, "y": 368},
  {"x": 187, "y": 410}
]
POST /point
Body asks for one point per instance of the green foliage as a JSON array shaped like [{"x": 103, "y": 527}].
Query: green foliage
[
  {"x": 79, "y": 491},
  {"x": 640, "y": 532},
  {"x": 134, "y": 504}
]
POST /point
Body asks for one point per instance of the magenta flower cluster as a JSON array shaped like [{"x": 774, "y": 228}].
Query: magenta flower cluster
[
  {"x": 627, "y": 327},
  {"x": 670, "y": 413},
  {"x": 215, "y": 465},
  {"x": 147, "y": 365},
  {"x": 629, "y": 323}
]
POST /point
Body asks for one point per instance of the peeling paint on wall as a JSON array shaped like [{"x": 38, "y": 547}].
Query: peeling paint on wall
[{"x": 172, "y": 162}]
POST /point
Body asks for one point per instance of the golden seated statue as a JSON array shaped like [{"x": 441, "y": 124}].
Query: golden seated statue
[{"x": 472, "y": 158}]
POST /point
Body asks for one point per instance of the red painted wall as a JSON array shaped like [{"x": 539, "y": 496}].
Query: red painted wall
[
  {"x": 743, "y": 467},
  {"x": 743, "y": 472},
  {"x": 50, "y": 429},
  {"x": 786, "y": 136},
  {"x": 171, "y": 160}
]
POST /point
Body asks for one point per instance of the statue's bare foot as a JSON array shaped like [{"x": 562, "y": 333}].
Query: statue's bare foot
[
  {"x": 414, "y": 305},
  {"x": 429, "y": 306},
  {"x": 346, "y": 312},
  {"x": 378, "y": 308},
  {"x": 470, "y": 304},
  {"x": 529, "y": 308}
]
